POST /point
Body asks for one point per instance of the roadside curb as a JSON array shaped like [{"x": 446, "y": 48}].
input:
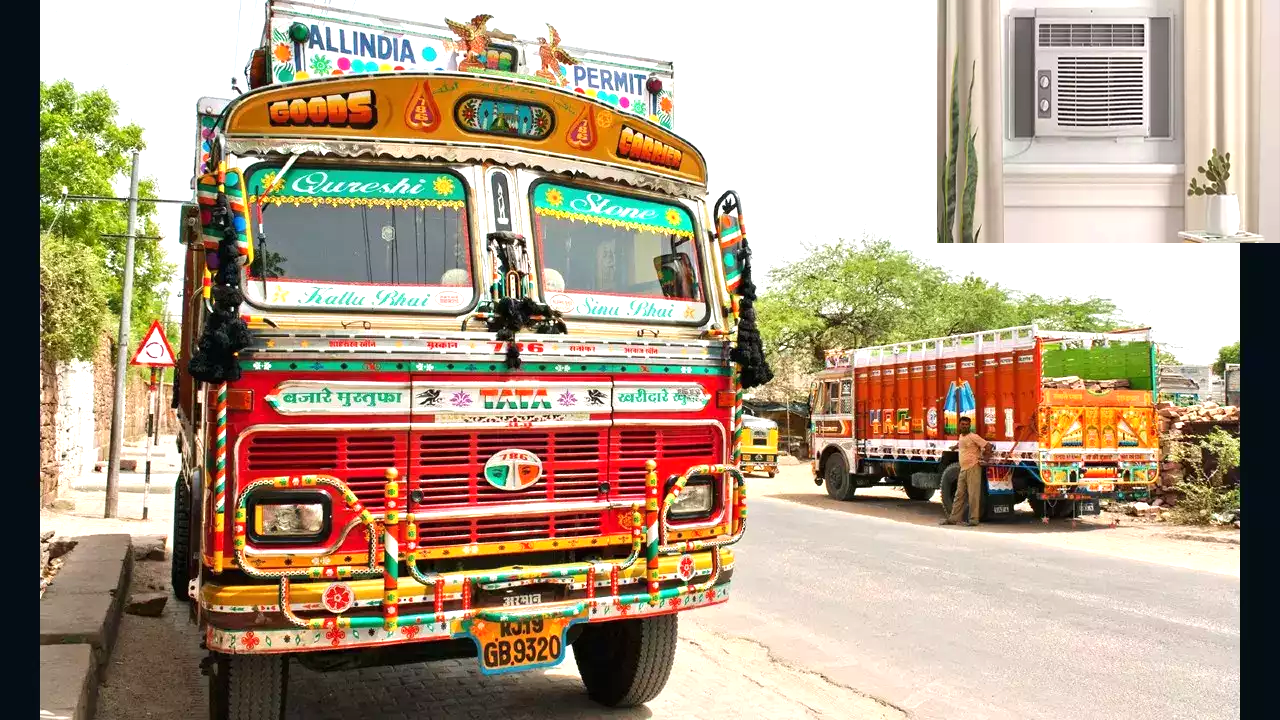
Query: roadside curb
[
  {"x": 79, "y": 618},
  {"x": 1223, "y": 539},
  {"x": 157, "y": 488}
]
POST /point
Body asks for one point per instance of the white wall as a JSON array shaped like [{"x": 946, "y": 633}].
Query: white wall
[
  {"x": 74, "y": 446},
  {"x": 1095, "y": 190},
  {"x": 1269, "y": 163}
]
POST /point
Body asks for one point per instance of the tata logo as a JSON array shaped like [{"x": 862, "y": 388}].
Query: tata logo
[
  {"x": 449, "y": 298},
  {"x": 513, "y": 470}
]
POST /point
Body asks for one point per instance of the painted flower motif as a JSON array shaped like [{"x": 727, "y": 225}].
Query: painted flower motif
[
  {"x": 283, "y": 53},
  {"x": 320, "y": 65},
  {"x": 460, "y": 399},
  {"x": 567, "y": 399},
  {"x": 673, "y": 217},
  {"x": 335, "y": 636},
  {"x": 711, "y": 595},
  {"x": 250, "y": 640},
  {"x": 623, "y": 609},
  {"x": 604, "y": 119},
  {"x": 690, "y": 312},
  {"x": 686, "y": 370},
  {"x": 674, "y": 603},
  {"x": 554, "y": 197},
  {"x": 443, "y": 186},
  {"x": 410, "y": 631},
  {"x": 641, "y": 109},
  {"x": 665, "y": 104}
]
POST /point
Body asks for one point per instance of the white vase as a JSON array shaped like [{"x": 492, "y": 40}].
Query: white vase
[{"x": 1222, "y": 215}]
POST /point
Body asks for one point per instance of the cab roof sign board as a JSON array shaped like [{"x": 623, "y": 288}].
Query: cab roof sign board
[{"x": 304, "y": 41}]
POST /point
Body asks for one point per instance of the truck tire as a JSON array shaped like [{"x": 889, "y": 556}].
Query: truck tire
[
  {"x": 625, "y": 663},
  {"x": 950, "y": 476},
  {"x": 918, "y": 494},
  {"x": 839, "y": 485},
  {"x": 248, "y": 687},
  {"x": 180, "y": 563}
]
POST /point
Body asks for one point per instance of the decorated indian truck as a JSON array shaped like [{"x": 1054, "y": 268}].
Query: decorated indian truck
[
  {"x": 463, "y": 356},
  {"x": 1071, "y": 417}
]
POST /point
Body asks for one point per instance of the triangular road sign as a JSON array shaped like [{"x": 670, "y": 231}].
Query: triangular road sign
[{"x": 154, "y": 350}]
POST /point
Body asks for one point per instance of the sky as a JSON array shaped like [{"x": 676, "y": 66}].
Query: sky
[{"x": 823, "y": 135}]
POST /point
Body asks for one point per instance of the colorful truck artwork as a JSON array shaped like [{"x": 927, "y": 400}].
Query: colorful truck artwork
[
  {"x": 462, "y": 368},
  {"x": 889, "y": 415}
]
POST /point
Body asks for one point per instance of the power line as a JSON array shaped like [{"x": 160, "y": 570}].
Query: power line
[{"x": 125, "y": 199}]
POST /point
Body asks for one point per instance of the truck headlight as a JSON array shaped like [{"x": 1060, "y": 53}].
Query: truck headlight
[
  {"x": 694, "y": 501},
  {"x": 289, "y": 516}
]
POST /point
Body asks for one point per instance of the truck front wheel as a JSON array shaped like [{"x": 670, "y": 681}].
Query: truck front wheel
[
  {"x": 625, "y": 663},
  {"x": 180, "y": 567},
  {"x": 839, "y": 485},
  {"x": 248, "y": 687}
]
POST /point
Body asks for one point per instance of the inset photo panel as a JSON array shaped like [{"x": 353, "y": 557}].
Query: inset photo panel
[{"x": 1108, "y": 121}]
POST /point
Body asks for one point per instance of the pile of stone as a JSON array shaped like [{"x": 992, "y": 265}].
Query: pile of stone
[
  {"x": 1072, "y": 382},
  {"x": 51, "y": 551},
  {"x": 1174, "y": 418}
]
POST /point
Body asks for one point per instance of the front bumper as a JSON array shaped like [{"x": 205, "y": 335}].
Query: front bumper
[
  {"x": 248, "y": 618},
  {"x": 347, "y": 607}
]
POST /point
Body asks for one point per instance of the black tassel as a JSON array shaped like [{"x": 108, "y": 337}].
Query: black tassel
[
  {"x": 749, "y": 353},
  {"x": 225, "y": 332},
  {"x": 511, "y": 315}
]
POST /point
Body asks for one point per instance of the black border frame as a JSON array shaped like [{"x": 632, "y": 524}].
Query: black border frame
[{"x": 287, "y": 497}]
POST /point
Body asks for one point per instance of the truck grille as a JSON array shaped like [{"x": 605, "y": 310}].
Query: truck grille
[
  {"x": 361, "y": 459},
  {"x": 447, "y": 469}
]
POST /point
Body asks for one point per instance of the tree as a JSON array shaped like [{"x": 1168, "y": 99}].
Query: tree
[
  {"x": 73, "y": 299},
  {"x": 1164, "y": 357},
  {"x": 85, "y": 150},
  {"x": 1227, "y": 354},
  {"x": 866, "y": 292}
]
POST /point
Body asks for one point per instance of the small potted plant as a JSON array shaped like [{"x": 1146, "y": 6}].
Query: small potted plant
[{"x": 1222, "y": 211}]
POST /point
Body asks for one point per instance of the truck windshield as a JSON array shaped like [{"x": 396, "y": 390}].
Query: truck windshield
[
  {"x": 614, "y": 255},
  {"x": 360, "y": 238}
]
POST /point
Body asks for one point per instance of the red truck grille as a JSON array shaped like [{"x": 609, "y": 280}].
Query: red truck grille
[{"x": 447, "y": 468}]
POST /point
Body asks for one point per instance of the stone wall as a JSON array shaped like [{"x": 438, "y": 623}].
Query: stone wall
[
  {"x": 48, "y": 430},
  {"x": 75, "y": 426}
]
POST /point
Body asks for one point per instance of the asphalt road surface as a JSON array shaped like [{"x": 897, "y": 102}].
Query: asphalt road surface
[{"x": 945, "y": 622}]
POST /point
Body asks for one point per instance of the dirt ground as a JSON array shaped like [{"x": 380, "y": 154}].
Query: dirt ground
[{"x": 1214, "y": 550}]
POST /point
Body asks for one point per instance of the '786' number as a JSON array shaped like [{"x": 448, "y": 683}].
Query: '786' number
[{"x": 533, "y": 347}]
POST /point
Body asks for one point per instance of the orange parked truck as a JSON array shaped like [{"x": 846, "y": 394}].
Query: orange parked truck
[{"x": 1071, "y": 416}]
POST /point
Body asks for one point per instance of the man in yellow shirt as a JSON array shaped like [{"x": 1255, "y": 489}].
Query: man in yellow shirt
[{"x": 973, "y": 449}]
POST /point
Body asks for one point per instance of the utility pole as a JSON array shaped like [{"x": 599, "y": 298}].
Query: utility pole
[{"x": 122, "y": 350}]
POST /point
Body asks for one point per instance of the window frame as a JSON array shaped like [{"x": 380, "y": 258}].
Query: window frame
[
  {"x": 469, "y": 224},
  {"x": 705, "y": 283}
]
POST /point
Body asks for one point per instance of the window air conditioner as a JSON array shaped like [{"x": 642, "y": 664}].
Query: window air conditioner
[{"x": 1092, "y": 77}]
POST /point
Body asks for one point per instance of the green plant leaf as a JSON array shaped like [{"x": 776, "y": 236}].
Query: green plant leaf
[
  {"x": 948, "y": 219},
  {"x": 970, "y": 198}
]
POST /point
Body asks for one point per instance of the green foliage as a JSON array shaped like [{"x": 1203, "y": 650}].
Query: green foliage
[
  {"x": 856, "y": 294},
  {"x": 1228, "y": 354},
  {"x": 948, "y": 183},
  {"x": 1205, "y": 494},
  {"x": 73, "y": 302},
  {"x": 1215, "y": 171},
  {"x": 947, "y": 196},
  {"x": 84, "y": 149}
]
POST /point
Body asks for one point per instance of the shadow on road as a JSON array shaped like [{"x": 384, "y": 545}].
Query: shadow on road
[{"x": 878, "y": 502}]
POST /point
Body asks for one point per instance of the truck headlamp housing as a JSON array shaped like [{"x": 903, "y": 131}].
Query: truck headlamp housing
[
  {"x": 695, "y": 501},
  {"x": 291, "y": 516}
]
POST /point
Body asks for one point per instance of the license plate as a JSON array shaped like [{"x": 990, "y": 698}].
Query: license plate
[
  {"x": 1001, "y": 508},
  {"x": 507, "y": 646},
  {"x": 1088, "y": 507}
]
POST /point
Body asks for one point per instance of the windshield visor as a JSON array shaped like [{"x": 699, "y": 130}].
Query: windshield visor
[
  {"x": 359, "y": 240},
  {"x": 615, "y": 257}
]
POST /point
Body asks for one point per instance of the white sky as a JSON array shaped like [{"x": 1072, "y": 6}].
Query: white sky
[{"x": 815, "y": 155}]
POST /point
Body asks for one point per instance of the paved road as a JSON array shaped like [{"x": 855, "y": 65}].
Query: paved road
[{"x": 950, "y": 623}]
